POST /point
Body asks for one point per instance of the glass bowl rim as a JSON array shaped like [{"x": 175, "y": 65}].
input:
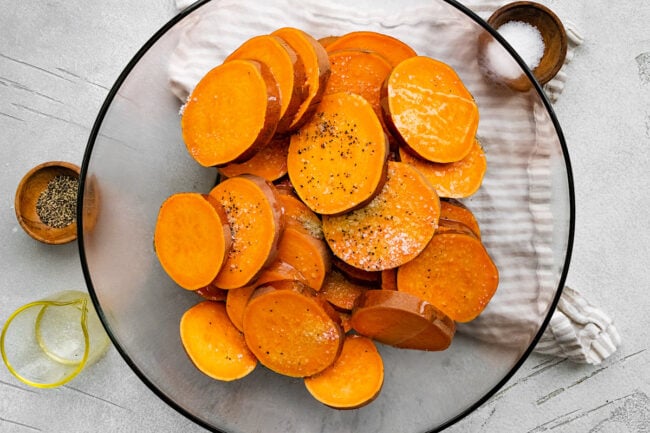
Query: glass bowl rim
[{"x": 95, "y": 132}]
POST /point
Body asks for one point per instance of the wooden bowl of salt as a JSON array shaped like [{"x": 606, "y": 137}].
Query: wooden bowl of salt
[
  {"x": 536, "y": 34},
  {"x": 46, "y": 202}
]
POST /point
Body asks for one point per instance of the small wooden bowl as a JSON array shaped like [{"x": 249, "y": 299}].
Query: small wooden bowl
[
  {"x": 552, "y": 31},
  {"x": 29, "y": 189}
]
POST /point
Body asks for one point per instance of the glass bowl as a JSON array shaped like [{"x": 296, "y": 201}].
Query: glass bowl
[{"x": 135, "y": 158}]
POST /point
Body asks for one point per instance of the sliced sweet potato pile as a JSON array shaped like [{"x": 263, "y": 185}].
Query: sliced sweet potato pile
[
  {"x": 308, "y": 254},
  {"x": 213, "y": 344},
  {"x": 458, "y": 179},
  {"x": 423, "y": 110},
  {"x": 455, "y": 210},
  {"x": 392, "y": 49},
  {"x": 392, "y": 229},
  {"x": 256, "y": 223},
  {"x": 285, "y": 66},
  {"x": 337, "y": 160},
  {"x": 192, "y": 239},
  {"x": 291, "y": 330},
  {"x": 317, "y": 70},
  {"x": 327, "y": 217},
  {"x": 355, "y": 378},
  {"x": 270, "y": 162},
  {"x": 232, "y": 113},
  {"x": 454, "y": 273},
  {"x": 361, "y": 72},
  {"x": 402, "y": 320},
  {"x": 339, "y": 291}
]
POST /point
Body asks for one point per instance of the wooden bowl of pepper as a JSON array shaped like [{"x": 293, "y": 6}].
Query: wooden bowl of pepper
[{"x": 46, "y": 202}]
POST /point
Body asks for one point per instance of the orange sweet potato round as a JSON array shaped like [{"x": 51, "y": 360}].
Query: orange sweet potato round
[
  {"x": 390, "y": 230},
  {"x": 223, "y": 122},
  {"x": 454, "y": 273},
  {"x": 192, "y": 239},
  {"x": 458, "y": 179},
  {"x": 355, "y": 378},
  {"x": 427, "y": 108},
  {"x": 337, "y": 159},
  {"x": 402, "y": 320},
  {"x": 291, "y": 330},
  {"x": 213, "y": 343},
  {"x": 256, "y": 223}
]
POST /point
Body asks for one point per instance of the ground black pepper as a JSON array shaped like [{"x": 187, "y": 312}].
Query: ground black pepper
[{"x": 57, "y": 204}]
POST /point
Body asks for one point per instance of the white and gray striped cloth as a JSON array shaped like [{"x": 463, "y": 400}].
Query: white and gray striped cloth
[{"x": 514, "y": 207}]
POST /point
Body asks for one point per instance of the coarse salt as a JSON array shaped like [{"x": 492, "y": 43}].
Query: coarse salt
[{"x": 526, "y": 40}]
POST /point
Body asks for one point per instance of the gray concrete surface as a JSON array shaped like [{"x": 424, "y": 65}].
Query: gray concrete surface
[{"x": 59, "y": 58}]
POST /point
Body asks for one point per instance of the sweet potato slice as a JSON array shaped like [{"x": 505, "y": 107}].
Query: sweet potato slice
[
  {"x": 212, "y": 293},
  {"x": 270, "y": 162},
  {"x": 284, "y": 64},
  {"x": 308, "y": 254},
  {"x": 402, "y": 320},
  {"x": 389, "y": 279},
  {"x": 192, "y": 239},
  {"x": 317, "y": 70},
  {"x": 325, "y": 41},
  {"x": 298, "y": 215},
  {"x": 458, "y": 179},
  {"x": 392, "y": 229},
  {"x": 361, "y": 276},
  {"x": 213, "y": 344},
  {"x": 256, "y": 223},
  {"x": 291, "y": 330},
  {"x": 451, "y": 226},
  {"x": 455, "y": 210},
  {"x": 339, "y": 291},
  {"x": 360, "y": 72},
  {"x": 423, "y": 110},
  {"x": 337, "y": 160},
  {"x": 232, "y": 113},
  {"x": 454, "y": 273},
  {"x": 355, "y": 378},
  {"x": 345, "y": 320},
  {"x": 237, "y": 299},
  {"x": 392, "y": 49}
]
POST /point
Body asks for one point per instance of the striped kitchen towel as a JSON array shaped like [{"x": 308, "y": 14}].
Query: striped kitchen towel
[{"x": 514, "y": 207}]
